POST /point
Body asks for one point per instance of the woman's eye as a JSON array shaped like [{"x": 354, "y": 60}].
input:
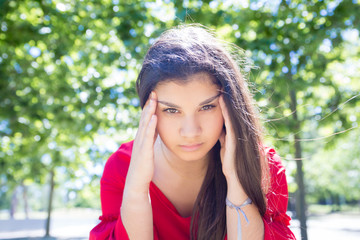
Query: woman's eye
[
  {"x": 207, "y": 107},
  {"x": 171, "y": 110}
]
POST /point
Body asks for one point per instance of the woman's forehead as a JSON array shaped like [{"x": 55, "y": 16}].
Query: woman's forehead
[
  {"x": 195, "y": 89},
  {"x": 202, "y": 78}
]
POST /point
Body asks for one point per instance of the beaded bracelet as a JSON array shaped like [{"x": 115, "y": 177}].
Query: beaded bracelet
[{"x": 238, "y": 210}]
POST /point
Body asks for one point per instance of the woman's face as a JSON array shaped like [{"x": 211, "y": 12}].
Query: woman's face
[{"x": 190, "y": 120}]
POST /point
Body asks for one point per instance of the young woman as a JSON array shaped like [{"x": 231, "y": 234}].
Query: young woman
[{"x": 197, "y": 168}]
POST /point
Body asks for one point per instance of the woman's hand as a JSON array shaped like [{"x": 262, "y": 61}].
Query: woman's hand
[
  {"x": 235, "y": 191},
  {"x": 228, "y": 144},
  {"x": 141, "y": 169},
  {"x": 136, "y": 210}
]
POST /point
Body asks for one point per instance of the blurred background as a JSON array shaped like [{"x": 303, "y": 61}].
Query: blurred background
[{"x": 67, "y": 101}]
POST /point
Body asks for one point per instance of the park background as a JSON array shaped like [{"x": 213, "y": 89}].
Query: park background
[{"x": 67, "y": 100}]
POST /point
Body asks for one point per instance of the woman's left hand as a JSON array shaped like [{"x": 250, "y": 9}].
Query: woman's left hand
[{"x": 228, "y": 143}]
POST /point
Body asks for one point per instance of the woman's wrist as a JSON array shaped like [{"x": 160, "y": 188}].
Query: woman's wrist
[
  {"x": 136, "y": 213},
  {"x": 235, "y": 191},
  {"x": 135, "y": 201},
  {"x": 136, "y": 190},
  {"x": 136, "y": 184}
]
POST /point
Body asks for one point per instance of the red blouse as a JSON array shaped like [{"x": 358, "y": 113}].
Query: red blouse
[{"x": 168, "y": 224}]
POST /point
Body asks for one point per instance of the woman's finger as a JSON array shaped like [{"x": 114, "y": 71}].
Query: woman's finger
[
  {"x": 145, "y": 110},
  {"x": 148, "y": 111},
  {"x": 229, "y": 133},
  {"x": 226, "y": 117},
  {"x": 150, "y": 133}
]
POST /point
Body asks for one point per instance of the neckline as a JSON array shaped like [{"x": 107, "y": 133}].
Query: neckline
[{"x": 166, "y": 201}]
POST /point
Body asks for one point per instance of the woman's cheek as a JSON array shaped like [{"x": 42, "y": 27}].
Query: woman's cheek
[
  {"x": 164, "y": 127},
  {"x": 160, "y": 124},
  {"x": 218, "y": 120},
  {"x": 218, "y": 124}
]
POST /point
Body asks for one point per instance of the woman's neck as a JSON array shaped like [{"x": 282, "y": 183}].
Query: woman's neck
[{"x": 179, "y": 180}]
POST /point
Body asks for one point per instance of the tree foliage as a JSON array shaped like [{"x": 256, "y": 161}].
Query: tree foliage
[{"x": 68, "y": 69}]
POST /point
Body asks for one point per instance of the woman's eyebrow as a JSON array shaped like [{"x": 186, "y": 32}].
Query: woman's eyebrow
[
  {"x": 209, "y": 100},
  {"x": 202, "y": 103},
  {"x": 168, "y": 104}
]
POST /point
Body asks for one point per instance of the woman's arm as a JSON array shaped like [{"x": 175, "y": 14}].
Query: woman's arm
[
  {"x": 254, "y": 229},
  {"x": 136, "y": 211}
]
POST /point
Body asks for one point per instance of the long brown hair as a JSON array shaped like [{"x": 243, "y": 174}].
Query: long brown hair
[{"x": 189, "y": 49}]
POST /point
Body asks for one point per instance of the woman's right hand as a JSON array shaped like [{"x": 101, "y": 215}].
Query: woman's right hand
[
  {"x": 141, "y": 169},
  {"x": 136, "y": 210}
]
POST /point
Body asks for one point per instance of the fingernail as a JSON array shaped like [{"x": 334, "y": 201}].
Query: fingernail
[{"x": 152, "y": 96}]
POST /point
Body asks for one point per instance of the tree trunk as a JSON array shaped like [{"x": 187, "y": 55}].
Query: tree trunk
[
  {"x": 301, "y": 205},
  {"x": 13, "y": 203},
  {"x": 25, "y": 198},
  {"x": 52, "y": 184},
  {"x": 300, "y": 201}
]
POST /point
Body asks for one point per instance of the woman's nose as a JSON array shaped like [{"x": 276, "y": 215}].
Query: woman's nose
[{"x": 190, "y": 127}]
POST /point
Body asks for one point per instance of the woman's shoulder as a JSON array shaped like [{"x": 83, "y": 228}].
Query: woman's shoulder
[
  {"x": 277, "y": 195},
  {"x": 274, "y": 161},
  {"x": 118, "y": 162},
  {"x": 277, "y": 176},
  {"x": 125, "y": 150}
]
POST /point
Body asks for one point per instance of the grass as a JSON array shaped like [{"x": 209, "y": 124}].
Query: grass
[{"x": 318, "y": 209}]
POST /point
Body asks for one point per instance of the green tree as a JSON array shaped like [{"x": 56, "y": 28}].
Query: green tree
[
  {"x": 294, "y": 43},
  {"x": 297, "y": 43},
  {"x": 68, "y": 69},
  {"x": 55, "y": 91}
]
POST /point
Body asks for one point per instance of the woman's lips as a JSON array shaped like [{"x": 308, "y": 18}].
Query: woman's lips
[{"x": 191, "y": 147}]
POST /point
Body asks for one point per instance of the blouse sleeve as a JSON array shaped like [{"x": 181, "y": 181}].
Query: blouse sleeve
[
  {"x": 111, "y": 190},
  {"x": 276, "y": 221}
]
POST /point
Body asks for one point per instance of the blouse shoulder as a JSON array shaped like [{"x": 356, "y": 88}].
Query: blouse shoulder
[
  {"x": 274, "y": 162},
  {"x": 276, "y": 218},
  {"x": 118, "y": 163},
  {"x": 123, "y": 153},
  {"x": 112, "y": 184},
  {"x": 276, "y": 170}
]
